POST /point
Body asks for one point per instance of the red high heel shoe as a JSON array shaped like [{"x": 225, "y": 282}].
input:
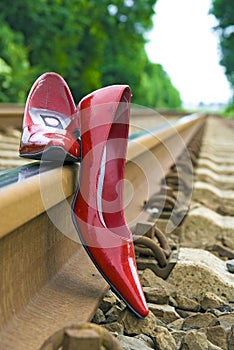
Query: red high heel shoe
[
  {"x": 97, "y": 209},
  {"x": 50, "y": 123}
]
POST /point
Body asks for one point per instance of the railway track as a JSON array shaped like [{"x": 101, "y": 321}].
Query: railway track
[
  {"x": 48, "y": 282},
  {"x": 11, "y": 117}
]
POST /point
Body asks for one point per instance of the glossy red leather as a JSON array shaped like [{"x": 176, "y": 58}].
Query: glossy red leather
[
  {"x": 97, "y": 208},
  {"x": 50, "y": 121}
]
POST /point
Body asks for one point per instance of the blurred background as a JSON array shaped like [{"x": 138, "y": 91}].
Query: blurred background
[{"x": 143, "y": 43}]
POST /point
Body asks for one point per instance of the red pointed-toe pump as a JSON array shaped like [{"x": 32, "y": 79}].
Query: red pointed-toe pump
[
  {"x": 97, "y": 209},
  {"x": 50, "y": 123}
]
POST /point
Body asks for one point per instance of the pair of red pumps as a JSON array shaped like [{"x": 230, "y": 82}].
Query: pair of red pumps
[{"x": 51, "y": 127}]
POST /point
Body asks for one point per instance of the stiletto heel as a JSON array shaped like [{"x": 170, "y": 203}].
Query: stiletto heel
[
  {"x": 97, "y": 209},
  {"x": 50, "y": 123}
]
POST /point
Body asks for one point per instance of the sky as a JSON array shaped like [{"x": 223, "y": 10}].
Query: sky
[{"x": 182, "y": 40}]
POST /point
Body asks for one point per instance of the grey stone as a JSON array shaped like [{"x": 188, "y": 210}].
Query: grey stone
[
  {"x": 185, "y": 313},
  {"x": 216, "y": 312},
  {"x": 163, "y": 339},
  {"x": 231, "y": 339},
  {"x": 107, "y": 302},
  {"x": 230, "y": 265},
  {"x": 99, "y": 317},
  {"x": 200, "y": 320},
  {"x": 213, "y": 347},
  {"x": 172, "y": 301},
  {"x": 131, "y": 343},
  {"x": 226, "y": 320},
  {"x": 198, "y": 271},
  {"x": 194, "y": 341},
  {"x": 211, "y": 301},
  {"x": 186, "y": 303},
  {"x": 113, "y": 314},
  {"x": 160, "y": 322},
  {"x": 120, "y": 304},
  {"x": 228, "y": 242},
  {"x": 149, "y": 279},
  {"x": 156, "y": 295},
  {"x": 176, "y": 325},
  {"x": 146, "y": 339},
  {"x": 178, "y": 337},
  {"x": 220, "y": 250},
  {"x": 114, "y": 327},
  {"x": 217, "y": 336},
  {"x": 165, "y": 313},
  {"x": 133, "y": 325}
]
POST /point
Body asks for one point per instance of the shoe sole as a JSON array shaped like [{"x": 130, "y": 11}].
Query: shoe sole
[{"x": 53, "y": 153}]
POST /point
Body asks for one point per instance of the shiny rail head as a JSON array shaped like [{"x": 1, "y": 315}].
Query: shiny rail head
[
  {"x": 19, "y": 174},
  {"x": 9, "y": 177}
]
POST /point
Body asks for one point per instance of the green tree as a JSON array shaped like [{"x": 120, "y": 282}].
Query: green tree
[
  {"x": 156, "y": 89},
  {"x": 14, "y": 66},
  {"x": 91, "y": 44},
  {"x": 223, "y": 10},
  {"x": 52, "y": 31}
]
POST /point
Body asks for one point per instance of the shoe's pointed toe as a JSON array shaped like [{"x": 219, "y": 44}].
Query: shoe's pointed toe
[{"x": 118, "y": 267}]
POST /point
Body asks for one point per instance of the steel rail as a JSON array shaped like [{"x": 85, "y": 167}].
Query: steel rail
[
  {"x": 47, "y": 280},
  {"x": 12, "y": 113}
]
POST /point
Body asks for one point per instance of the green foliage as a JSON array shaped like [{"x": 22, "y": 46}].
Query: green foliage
[
  {"x": 156, "y": 89},
  {"x": 229, "y": 111},
  {"x": 223, "y": 10},
  {"x": 90, "y": 43},
  {"x": 14, "y": 66}
]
